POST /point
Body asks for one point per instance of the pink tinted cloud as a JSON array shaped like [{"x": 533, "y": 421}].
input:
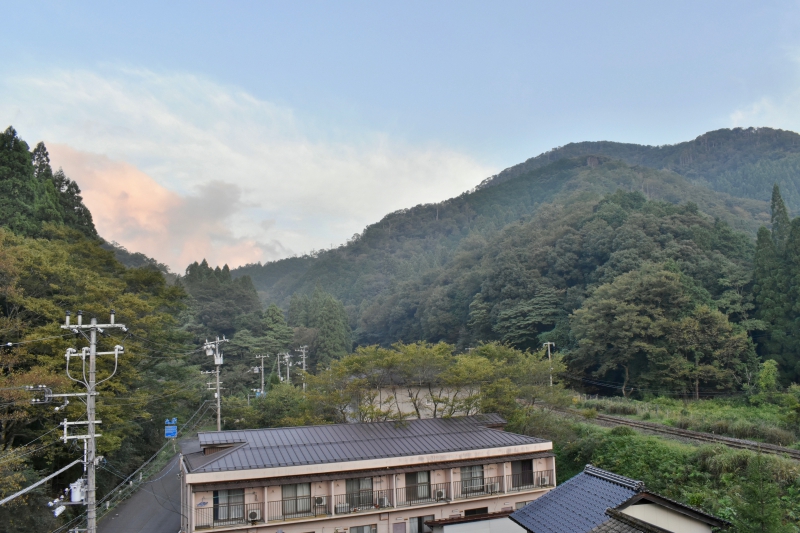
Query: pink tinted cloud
[{"x": 131, "y": 208}]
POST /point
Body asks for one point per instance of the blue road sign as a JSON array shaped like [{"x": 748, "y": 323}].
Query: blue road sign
[{"x": 171, "y": 428}]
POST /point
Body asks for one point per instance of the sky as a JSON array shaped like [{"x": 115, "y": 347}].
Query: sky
[{"x": 244, "y": 132}]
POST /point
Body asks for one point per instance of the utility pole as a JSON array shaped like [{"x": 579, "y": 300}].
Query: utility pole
[
  {"x": 212, "y": 348},
  {"x": 549, "y": 358},
  {"x": 262, "y": 357},
  {"x": 90, "y": 439},
  {"x": 302, "y": 351},
  {"x": 287, "y": 364}
]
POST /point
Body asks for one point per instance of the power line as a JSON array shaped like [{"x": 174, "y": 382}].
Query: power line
[{"x": 37, "y": 340}]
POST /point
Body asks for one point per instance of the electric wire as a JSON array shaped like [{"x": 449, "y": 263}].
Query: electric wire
[
  {"x": 205, "y": 406},
  {"x": 8, "y": 344}
]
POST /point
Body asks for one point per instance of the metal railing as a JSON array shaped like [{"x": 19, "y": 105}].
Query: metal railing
[
  {"x": 530, "y": 480},
  {"x": 229, "y": 515},
  {"x": 364, "y": 500},
  {"x": 475, "y": 487},
  {"x": 300, "y": 507},
  {"x": 423, "y": 493}
]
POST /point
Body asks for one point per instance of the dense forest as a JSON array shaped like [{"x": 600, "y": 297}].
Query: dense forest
[{"x": 655, "y": 273}]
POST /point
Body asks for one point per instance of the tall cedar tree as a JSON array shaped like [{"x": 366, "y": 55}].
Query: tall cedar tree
[{"x": 775, "y": 277}]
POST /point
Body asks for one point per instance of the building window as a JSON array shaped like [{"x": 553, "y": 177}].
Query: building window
[
  {"x": 521, "y": 474},
  {"x": 473, "y": 512},
  {"x": 417, "y": 524},
  {"x": 520, "y": 505},
  {"x": 359, "y": 492},
  {"x": 296, "y": 499},
  {"x": 364, "y": 529},
  {"x": 418, "y": 486},
  {"x": 228, "y": 504},
  {"x": 471, "y": 479}
]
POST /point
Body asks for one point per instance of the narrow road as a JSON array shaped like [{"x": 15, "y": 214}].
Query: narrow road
[{"x": 155, "y": 508}]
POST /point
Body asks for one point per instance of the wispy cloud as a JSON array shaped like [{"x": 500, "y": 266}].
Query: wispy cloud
[{"x": 182, "y": 168}]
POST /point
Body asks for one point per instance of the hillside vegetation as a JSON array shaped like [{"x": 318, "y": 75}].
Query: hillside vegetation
[{"x": 741, "y": 162}]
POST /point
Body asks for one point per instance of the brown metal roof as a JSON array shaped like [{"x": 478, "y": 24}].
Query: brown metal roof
[{"x": 312, "y": 445}]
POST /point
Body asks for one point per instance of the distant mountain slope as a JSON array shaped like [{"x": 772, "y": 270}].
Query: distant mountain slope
[
  {"x": 740, "y": 162},
  {"x": 418, "y": 246}
]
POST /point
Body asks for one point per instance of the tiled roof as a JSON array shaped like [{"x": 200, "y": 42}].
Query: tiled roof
[
  {"x": 309, "y": 445},
  {"x": 578, "y": 505},
  {"x": 621, "y": 523}
]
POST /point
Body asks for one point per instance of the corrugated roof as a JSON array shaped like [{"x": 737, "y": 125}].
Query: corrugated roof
[
  {"x": 308, "y": 445},
  {"x": 578, "y": 505}
]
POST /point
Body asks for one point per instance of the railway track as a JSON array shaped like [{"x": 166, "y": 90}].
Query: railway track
[{"x": 695, "y": 435}]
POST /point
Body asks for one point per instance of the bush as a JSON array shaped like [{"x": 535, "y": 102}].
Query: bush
[
  {"x": 589, "y": 413},
  {"x": 623, "y": 431},
  {"x": 621, "y": 409}
]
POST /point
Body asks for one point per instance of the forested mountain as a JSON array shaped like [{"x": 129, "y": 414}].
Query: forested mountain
[
  {"x": 415, "y": 274},
  {"x": 740, "y": 162}
]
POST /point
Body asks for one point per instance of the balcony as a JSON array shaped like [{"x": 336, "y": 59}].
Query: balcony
[
  {"x": 300, "y": 507},
  {"x": 477, "y": 487},
  {"x": 362, "y": 501},
  {"x": 229, "y": 515},
  {"x": 305, "y": 507},
  {"x": 530, "y": 480},
  {"x": 422, "y": 494}
]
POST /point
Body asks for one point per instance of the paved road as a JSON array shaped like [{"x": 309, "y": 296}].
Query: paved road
[{"x": 155, "y": 508}]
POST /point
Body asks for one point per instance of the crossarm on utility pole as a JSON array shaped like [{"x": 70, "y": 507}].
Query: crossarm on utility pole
[{"x": 51, "y": 476}]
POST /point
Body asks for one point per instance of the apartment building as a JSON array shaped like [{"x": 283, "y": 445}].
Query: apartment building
[{"x": 384, "y": 477}]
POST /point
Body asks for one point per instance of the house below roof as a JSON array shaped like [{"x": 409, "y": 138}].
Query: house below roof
[
  {"x": 479, "y": 523},
  {"x": 599, "y": 501},
  {"x": 385, "y": 477}
]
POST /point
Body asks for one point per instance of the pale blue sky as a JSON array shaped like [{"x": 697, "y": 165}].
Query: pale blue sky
[{"x": 325, "y": 115}]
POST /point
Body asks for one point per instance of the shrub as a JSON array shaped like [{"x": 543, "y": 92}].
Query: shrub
[{"x": 623, "y": 431}]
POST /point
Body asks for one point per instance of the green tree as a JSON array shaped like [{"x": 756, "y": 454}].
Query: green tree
[
  {"x": 758, "y": 507},
  {"x": 622, "y": 326},
  {"x": 277, "y": 335}
]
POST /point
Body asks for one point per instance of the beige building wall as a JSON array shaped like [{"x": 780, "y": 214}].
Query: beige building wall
[{"x": 666, "y": 518}]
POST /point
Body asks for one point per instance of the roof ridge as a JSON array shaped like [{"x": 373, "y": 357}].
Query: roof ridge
[
  {"x": 381, "y": 437},
  {"x": 377, "y": 422},
  {"x": 611, "y": 477}
]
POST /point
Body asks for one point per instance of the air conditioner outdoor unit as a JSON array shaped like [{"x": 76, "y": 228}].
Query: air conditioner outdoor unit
[
  {"x": 254, "y": 515},
  {"x": 319, "y": 501},
  {"x": 383, "y": 502},
  {"x": 439, "y": 495},
  {"x": 493, "y": 487},
  {"x": 545, "y": 480},
  {"x": 342, "y": 508}
]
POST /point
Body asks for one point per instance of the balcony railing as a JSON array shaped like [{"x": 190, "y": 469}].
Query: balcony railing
[
  {"x": 365, "y": 500},
  {"x": 530, "y": 480},
  {"x": 229, "y": 515},
  {"x": 300, "y": 507},
  {"x": 476, "y": 487},
  {"x": 423, "y": 493}
]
